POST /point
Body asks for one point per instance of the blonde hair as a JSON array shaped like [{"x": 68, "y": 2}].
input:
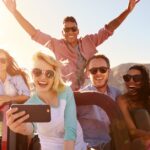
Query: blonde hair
[{"x": 58, "y": 85}]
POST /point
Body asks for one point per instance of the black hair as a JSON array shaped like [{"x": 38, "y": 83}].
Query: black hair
[
  {"x": 144, "y": 91},
  {"x": 70, "y": 19}
]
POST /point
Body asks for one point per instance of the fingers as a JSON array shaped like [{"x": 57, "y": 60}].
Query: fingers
[{"x": 15, "y": 120}]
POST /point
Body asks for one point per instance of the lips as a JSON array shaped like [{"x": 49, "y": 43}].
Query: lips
[
  {"x": 132, "y": 90},
  {"x": 42, "y": 84}
]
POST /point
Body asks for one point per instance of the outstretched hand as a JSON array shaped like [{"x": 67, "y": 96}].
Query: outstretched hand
[
  {"x": 132, "y": 4},
  {"x": 10, "y": 4}
]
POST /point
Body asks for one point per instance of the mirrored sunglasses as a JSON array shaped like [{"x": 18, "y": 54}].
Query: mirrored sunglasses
[
  {"x": 96, "y": 69},
  {"x": 38, "y": 72},
  {"x": 68, "y": 29},
  {"x": 136, "y": 78}
]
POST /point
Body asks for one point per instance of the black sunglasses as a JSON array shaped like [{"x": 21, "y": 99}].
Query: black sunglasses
[
  {"x": 136, "y": 78},
  {"x": 73, "y": 29},
  {"x": 3, "y": 60},
  {"x": 100, "y": 69},
  {"x": 38, "y": 72}
]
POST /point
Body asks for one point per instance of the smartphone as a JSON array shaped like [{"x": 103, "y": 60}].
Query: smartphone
[{"x": 38, "y": 113}]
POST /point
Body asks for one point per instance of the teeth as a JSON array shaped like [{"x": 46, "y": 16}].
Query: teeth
[
  {"x": 98, "y": 78},
  {"x": 42, "y": 82},
  {"x": 132, "y": 86}
]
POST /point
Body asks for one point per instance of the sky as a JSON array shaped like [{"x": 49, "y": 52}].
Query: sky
[{"x": 129, "y": 43}]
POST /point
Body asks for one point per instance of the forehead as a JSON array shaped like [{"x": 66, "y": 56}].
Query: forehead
[
  {"x": 98, "y": 62},
  {"x": 2, "y": 55},
  {"x": 134, "y": 71},
  {"x": 69, "y": 24},
  {"x": 41, "y": 64}
]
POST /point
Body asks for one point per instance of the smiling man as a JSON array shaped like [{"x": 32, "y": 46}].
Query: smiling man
[
  {"x": 72, "y": 50},
  {"x": 94, "y": 120}
]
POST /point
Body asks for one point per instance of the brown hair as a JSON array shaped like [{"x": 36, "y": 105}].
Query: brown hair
[
  {"x": 70, "y": 19},
  {"x": 13, "y": 68},
  {"x": 97, "y": 56}
]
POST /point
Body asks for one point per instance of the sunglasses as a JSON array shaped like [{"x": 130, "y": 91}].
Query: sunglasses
[
  {"x": 136, "y": 78},
  {"x": 73, "y": 29},
  {"x": 3, "y": 60},
  {"x": 100, "y": 69},
  {"x": 38, "y": 72}
]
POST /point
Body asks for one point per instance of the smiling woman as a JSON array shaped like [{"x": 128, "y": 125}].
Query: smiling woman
[
  {"x": 50, "y": 89},
  {"x": 137, "y": 97}
]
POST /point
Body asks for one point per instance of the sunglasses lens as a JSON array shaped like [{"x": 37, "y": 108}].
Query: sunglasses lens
[
  {"x": 73, "y": 29},
  {"x": 49, "y": 73},
  {"x": 127, "y": 78},
  {"x": 137, "y": 78},
  {"x": 103, "y": 69},
  {"x": 93, "y": 70},
  {"x": 3, "y": 60},
  {"x": 36, "y": 72}
]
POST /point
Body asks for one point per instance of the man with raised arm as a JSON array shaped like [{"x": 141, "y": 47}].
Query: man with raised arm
[{"x": 72, "y": 50}]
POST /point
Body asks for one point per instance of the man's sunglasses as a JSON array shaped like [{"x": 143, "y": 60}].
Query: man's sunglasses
[
  {"x": 136, "y": 78},
  {"x": 100, "y": 69},
  {"x": 3, "y": 60},
  {"x": 38, "y": 72},
  {"x": 68, "y": 29}
]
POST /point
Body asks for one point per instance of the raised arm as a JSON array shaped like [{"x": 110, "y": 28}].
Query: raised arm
[
  {"x": 11, "y": 5},
  {"x": 114, "y": 24}
]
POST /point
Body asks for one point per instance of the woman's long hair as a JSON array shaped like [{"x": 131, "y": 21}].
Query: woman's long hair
[
  {"x": 144, "y": 91},
  {"x": 13, "y": 68}
]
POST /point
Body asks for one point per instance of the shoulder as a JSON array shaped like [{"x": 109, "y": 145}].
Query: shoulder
[
  {"x": 67, "y": 91},
  {"x": 122, "y": 100},
  {"x": 88, "y": 88},
  {"x": 112, "y": 88},
  {"x": 34, "y": 100},
  {"x": 16, "y": 78}
]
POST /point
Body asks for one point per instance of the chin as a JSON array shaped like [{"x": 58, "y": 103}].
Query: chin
[{"x": 39, "y": 89}]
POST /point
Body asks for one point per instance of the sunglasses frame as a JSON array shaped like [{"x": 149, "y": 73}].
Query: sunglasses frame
[
  {"x": 68, "y": 29},
  {"x": 102, "y": 70},
  {"x": 135, "y": 78},
  {"x": 38, "y": 72}
]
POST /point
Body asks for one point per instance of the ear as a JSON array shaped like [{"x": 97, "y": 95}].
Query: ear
[
  {"x": 109, "y": 71},
  {"x": 87, "y": 74},
  {"x": 63, "y": 33}
]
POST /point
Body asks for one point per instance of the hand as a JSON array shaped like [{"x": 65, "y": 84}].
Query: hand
[
  {"x": 132, "y": 4},
  {"x": 11, "y": 5},
  {"x": 15, "y": 121}
]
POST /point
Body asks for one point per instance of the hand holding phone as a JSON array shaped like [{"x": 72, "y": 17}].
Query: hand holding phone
[{"x": 37, "y": 113}]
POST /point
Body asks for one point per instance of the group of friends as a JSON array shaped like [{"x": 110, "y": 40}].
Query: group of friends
[{"x": 50, "y": 76}]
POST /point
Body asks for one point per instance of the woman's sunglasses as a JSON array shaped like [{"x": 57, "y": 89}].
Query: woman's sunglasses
[
  {"x": 96, "y": 69},
  {"x": 38, "y": 72},
  {"x": 136, "y": 78},
  {"x": 3, "y": 60}
]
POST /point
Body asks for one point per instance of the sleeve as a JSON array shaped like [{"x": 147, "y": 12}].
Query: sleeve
[
  {"x": 102, "y": 35},
  {"x": 70, "y": 121},
  {"x": 21, "y": 86},
  {"x": 43, "y": 39}
]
